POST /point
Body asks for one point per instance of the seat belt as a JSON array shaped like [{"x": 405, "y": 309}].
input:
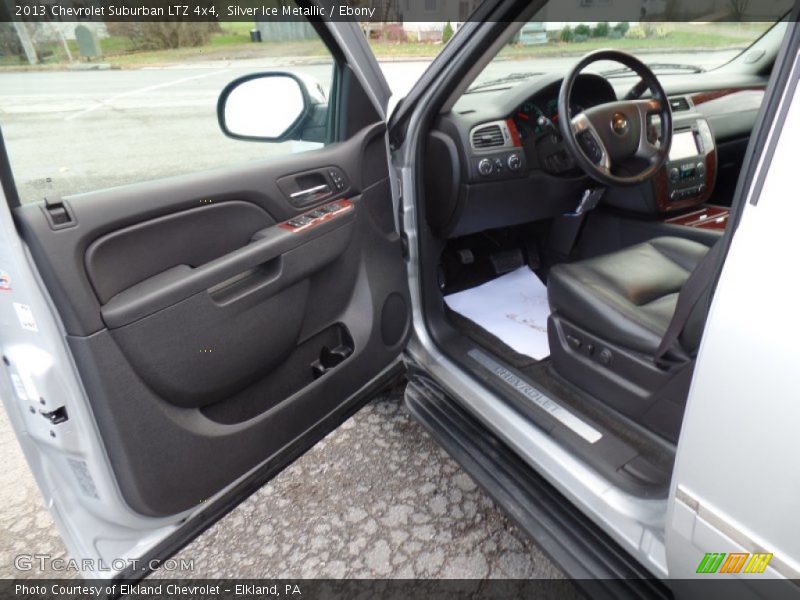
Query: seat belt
[{"x": 699, "y": 280}]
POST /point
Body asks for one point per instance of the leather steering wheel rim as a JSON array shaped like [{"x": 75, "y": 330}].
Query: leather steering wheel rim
[{"x": 613, "y": 126}]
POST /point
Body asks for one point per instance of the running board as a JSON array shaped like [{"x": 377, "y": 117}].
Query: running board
[{"x": 600, "y": 567}]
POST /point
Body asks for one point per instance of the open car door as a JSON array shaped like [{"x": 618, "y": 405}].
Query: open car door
[{"x": 170, "y": 345}]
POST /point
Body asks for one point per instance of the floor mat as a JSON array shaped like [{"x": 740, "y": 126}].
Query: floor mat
[{"x": 513, "y": 308}]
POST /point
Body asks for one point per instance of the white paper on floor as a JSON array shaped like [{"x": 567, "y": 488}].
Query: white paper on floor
[{"x": 512, "y": 307}]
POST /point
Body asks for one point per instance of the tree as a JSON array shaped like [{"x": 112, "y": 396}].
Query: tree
[
  {"x": 583, "y": 29},
  {"x": 600, "y": 30},
  {"x": 566, "y": 34},
  {"x": 9, "y": 40},
  {"x": 158, "y": 35},
  {"x": 447, "y": 32},
  {"x": 622, "y": 27}
]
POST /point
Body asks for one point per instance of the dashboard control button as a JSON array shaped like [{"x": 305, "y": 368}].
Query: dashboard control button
[
  {"x": 498, "y": 164},
  {"x": 590, "y": 146},
  {"x": 485, "y": 166},
  {"x": 514, "y": 162},
  {"x": 674, "y": 174}
]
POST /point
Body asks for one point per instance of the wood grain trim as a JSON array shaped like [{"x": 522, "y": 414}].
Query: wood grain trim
[
  {"x": 515, "y": 137},
  {"x": 708, "y": 217},
  {"x": 703, "y": 97},
  {"x": 344, "y": 206}
]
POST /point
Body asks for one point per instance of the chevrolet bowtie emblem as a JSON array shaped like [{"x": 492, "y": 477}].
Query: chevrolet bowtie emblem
[{"x": 620, "y": 124}]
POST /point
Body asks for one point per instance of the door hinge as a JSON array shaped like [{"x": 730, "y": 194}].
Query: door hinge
[{"x": 58, "y": 212}]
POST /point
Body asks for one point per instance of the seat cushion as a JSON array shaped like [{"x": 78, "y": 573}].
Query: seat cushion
[{"x": 626, "y": 297}]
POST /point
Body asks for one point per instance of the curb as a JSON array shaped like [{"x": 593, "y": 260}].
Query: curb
[{"x": 89, "y": 67}]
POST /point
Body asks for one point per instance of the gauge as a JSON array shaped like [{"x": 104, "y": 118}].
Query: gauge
[
  {"x": 527, "y": 118},
  {"x": 551, "y": 110}
]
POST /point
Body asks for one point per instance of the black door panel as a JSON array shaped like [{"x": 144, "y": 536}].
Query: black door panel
[
  {"x": 209, "y": 333},
  {"x": 181, "y": 351},
  {"x": 61, "y": 255}
]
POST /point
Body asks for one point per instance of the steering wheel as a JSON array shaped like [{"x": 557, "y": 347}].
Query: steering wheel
[{"x": 603, "y": 138}]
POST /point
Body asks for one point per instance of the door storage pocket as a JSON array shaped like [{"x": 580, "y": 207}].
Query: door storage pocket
[
  {"x": 300, "y": 369},
  {"x": 196, "y": 352}
]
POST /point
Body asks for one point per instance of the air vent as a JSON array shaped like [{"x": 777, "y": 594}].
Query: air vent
[
  {"x": 488, "y": 137},
  {"x": 679, "y": 104}
]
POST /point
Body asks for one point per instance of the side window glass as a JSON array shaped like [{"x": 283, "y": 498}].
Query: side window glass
[{"x": 109, "y": 104}]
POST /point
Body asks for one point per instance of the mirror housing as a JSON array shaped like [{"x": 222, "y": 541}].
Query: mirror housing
[{"x": 273, "y": 107}]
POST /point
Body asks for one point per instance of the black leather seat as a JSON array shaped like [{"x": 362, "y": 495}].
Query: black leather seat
[{"x": 628, "y": 297}]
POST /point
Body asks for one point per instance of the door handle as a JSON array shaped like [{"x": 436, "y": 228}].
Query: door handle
[{"x": 317, "y": 190}]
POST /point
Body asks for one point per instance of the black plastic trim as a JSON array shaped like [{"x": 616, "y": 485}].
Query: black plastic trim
[
  {"x": 600, "y": 566},
  {"x": 6, "y": 176}
]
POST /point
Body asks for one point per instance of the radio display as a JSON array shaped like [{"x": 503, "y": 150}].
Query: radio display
[{"x": 683, "y": 146}]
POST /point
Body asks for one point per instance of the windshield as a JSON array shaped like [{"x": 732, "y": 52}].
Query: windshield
[{"x": 667, "y": 47}]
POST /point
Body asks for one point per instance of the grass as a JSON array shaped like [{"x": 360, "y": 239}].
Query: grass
[
  {"x": 231, "y": 50},
  {"x": 675, "y": 36},
  {"x": 234, "y": 43}
]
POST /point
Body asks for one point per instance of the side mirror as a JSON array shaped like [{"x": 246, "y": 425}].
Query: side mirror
[{"x": 268, "y": 107}]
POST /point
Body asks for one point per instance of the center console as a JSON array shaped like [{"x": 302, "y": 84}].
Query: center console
[
  {"x": 685, "y": 181},
  {"x": 686, "y": 169},
  {"x": 689, "y": 175}
]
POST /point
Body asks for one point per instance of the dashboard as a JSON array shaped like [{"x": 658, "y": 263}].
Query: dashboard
[
  {"x": 497, "y": 159},
  {"x": 534, "y": 117}
]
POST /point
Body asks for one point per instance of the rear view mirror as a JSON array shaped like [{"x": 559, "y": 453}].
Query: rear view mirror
[{"x": 269, "y": 107}]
